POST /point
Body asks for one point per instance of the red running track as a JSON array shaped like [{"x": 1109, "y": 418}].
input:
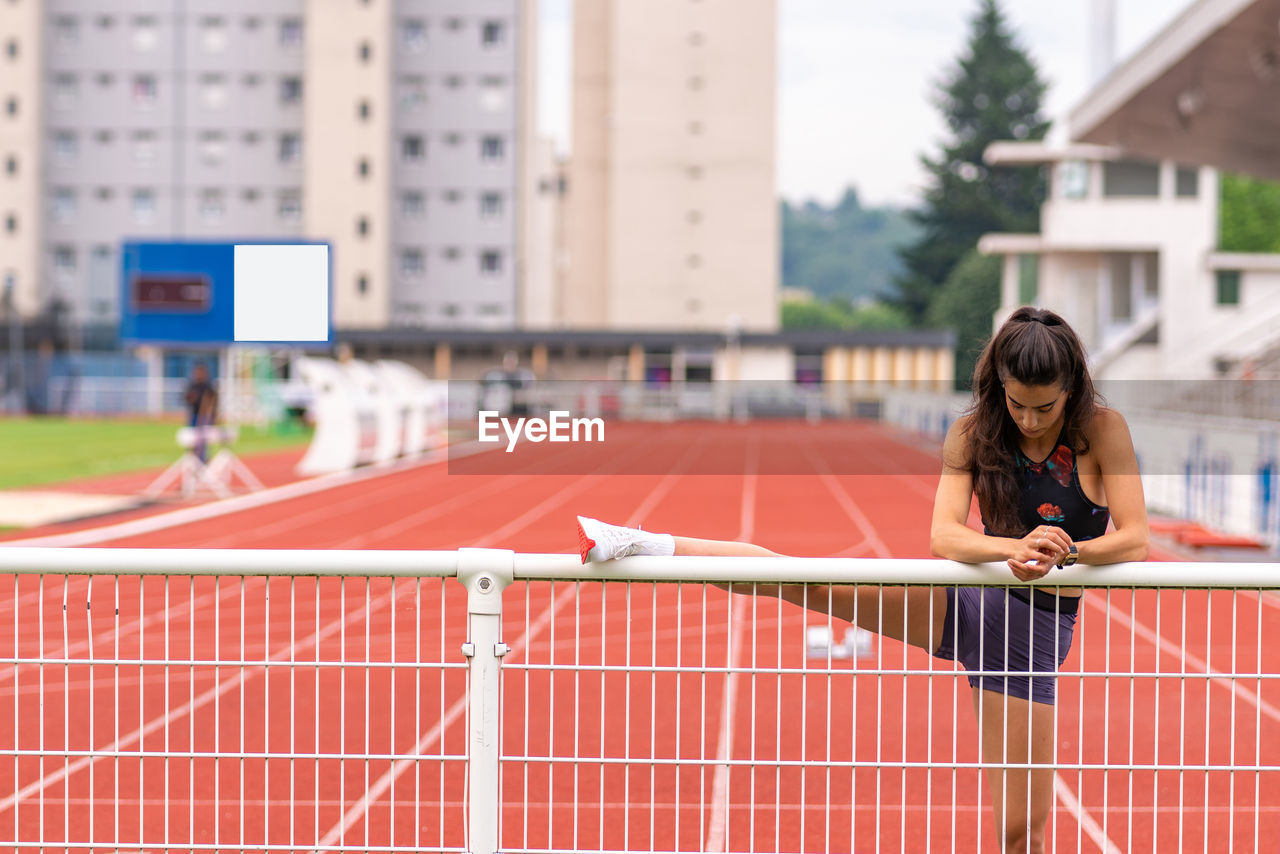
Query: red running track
[{"x": 768, "y": 739}]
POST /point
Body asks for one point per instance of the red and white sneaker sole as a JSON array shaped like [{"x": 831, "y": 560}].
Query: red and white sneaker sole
[{"x": 585, "y": 543}]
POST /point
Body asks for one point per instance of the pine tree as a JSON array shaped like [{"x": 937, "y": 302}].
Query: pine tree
[{"x": 993, "y": 93}]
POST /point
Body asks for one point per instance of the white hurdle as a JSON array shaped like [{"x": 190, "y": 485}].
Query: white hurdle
[{"x": 369, "y": 414}]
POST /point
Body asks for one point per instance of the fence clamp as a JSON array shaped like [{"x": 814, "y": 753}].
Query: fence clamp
[
  {"x": 469, "y": 649},
  {"x": 500, "y": 649},
  {"x": 485, "y": 573}
]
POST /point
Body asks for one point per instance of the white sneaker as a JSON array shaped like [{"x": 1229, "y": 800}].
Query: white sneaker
[{"x": 599, "y": 541}]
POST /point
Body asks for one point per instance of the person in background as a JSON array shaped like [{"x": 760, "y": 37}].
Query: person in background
[{"x": 201, "y": 399}]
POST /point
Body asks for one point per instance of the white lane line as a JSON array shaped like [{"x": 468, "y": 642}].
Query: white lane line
[
  {"x": 1196, "y": 663},
  {"x": 189, "y": 706},
  {"x": 380, "y": 786},
  {"x": 717, "y": 825},
  {"x": 1086, "y": 821},
  {"x": 214, "y": 509},
  {"x": 385, "y": 782}
]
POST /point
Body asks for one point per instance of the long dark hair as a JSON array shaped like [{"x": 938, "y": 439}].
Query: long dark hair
[{"x": 1034, "y": 347}]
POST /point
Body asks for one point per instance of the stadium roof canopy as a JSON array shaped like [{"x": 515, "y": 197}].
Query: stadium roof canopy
[{"x": 1205, "y": 90}]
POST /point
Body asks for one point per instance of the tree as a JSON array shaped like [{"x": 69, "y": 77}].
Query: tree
[
  {"x": 840, "y": 314},
  {"x": 1248, "y": 215},
  {"x": 966, "y": 302},
  {"x": 993, "y": 93},
  {"x": 846, "y": 251}
]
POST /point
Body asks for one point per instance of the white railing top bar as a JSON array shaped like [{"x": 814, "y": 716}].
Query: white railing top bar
[
  {"x": 546, "y": 567},
  {"x": 914, "y": 571},
  {"x": 305, "y": 562}
]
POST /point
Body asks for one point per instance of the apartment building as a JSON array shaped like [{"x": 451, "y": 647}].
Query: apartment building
[
  {"x": 392, "y": 128},
  {"x": 672, "y": 207}
]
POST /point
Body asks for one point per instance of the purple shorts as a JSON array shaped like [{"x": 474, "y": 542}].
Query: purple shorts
[{"x": 1005, "y": 635}]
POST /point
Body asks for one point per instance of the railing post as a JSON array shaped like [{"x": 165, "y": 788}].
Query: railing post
[{"x": 485, "y": 573}]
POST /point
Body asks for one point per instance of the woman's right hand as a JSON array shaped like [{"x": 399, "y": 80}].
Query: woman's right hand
[{"x": 1038, "y": 552}]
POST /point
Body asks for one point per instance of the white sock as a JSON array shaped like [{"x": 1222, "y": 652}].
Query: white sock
[{"x": 658, "y": 545}]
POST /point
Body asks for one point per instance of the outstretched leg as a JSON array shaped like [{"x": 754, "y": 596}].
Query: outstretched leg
[{"x": 913, "y": 615}]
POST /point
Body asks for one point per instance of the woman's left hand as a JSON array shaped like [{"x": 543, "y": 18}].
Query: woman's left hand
[{"x": 1051, "y": 544}]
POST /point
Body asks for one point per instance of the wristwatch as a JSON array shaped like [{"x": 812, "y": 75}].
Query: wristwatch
[{"x": 1073, "y": 555}]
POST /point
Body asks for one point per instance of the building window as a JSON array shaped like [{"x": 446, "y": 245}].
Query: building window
[
  {"x": 491, "y": 33},
  {"x": 144, "y": 90},
  {"x": 362, "y": 167},
  {"x": 64, "y": 204},
  {"x": 453, "y": 81},
  {"x": 453, "y": 140},
  {"x": 412, "y": 93},
  {"x": 1130, "y": 178},
  {"x": 212, "y": 205},
  {"x": 11, "y": 165},
  {"x": 413, "y": 148},
  {"x": 65, "y": 88},
  {"x": 291, "y": 32},
  {"x": 1186, "y": 182},
  {"x": 493, "y": 94},
  {"x": 106, "y": 81},
  {"x": 106, "y": 22},
  {"x": 363, "y": 110},
  {"x": 290, "y": 147},
  {"x": 412, "y": 204},
  {"x": 213, "y": 91},
  {"x": 411, "y": 262},
  {"x": 213, "y": 148},
  {"x": 453, "y": 253},
  {"x": 66, "y": 31},
  {"x": 252, "y": 81},
  {"x": 413, "y": 34},
  {"x": 10, "y": 223},
  {"x": 213, "y": 34},
  {"x": 143, "y": 205},
  {"x": 491, "y": 149},
  {"x": 251, "y": 138},
  {"x": 145, "y": 34},
  {"x": 1073, "y": 179},
  {"x": 11, "y": 48},
  {"x": 104, "y": 137},
  {"x": 1228, "y": 287},
  {"x": 64, "y": 260},
  {"x": 289, "y": 205},
  {"x": 452, "y": 197},
  {"x": 490, "y": 205},
  {"x": 362, "y": 226},
  {"x": 365, "y": 51},
  {"x": 104, "y": 194},
  {"x": 453, "y": 25},
  {"x": 362, "y": 284},
  {"x": 64, "y": 145},
  {"x": 250, "y": 196},
  {"x": 489, "y": 309},
  {"x": 11, "y": 106},
  {"x": 144, "y": 147},
  {"x": 290, "y": 90},
  {"x": 252, "y": 23},
  {"x": 490, "y": 261}
]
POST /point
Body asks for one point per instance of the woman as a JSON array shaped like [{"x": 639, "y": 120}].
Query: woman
[{"x": 1050, "y": 466}]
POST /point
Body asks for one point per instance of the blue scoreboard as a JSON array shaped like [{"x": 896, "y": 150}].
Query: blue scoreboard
[{"x": 214, "y": 294}]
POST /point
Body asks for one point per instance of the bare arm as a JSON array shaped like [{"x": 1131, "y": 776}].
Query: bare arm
[
  {"x": 951, "y": 538},
  {"x": 1123, "y": 487}
]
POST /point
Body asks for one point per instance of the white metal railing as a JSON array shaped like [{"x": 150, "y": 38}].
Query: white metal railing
[{"x": 272, "y": 700}]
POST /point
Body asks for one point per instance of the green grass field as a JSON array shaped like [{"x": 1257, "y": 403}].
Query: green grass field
[{"x": 42, "y": 451}]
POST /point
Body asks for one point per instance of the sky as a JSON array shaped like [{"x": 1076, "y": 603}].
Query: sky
[{"x": 855, "y": 79}]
